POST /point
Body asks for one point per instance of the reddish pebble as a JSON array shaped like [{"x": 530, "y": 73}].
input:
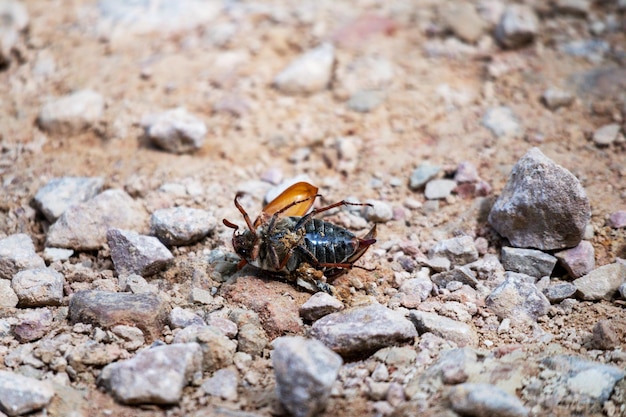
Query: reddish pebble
[
  {"x": 358, "y": 32},
  {"x": 617, "y": 220}
]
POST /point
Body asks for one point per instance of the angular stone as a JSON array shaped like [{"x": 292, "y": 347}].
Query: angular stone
[
  {"x": 604, "y": 335},
  {"x": 553, "y": 219},
  {"x": 222, "y": 384},
  {"x": 21, "y": 395},
  {"x": 378, "y": 212},
  {"x": 309, "y": 73},
  {"x": 8, "y": 298},
  {"x": 319, "y": 305},
  {"x": 84, "y": 226},
  {"x": 439, "y": 188},
  {"x": 617, "y": 219},
  {"x": 305, "y": 372},
  {"x": 181, "y": 318},
  {"x": 586, "y": 381},
  {"x": 518, "y": 26},
  {"x": 601, "y": 283},
  {"x": 181, "y": 225},
  {"x": 444, "y": 327},
  {"x": 38, "y": 287},
  {"x": 518, "y": 298},
  {"x": 32, "y": 325},
  {"x": 461, "y": 274},
  {"x": 606, "y": 134},
  {"x": 154, "y": 376},
  {"x": 175, "y": 130},
  {"x": 559, "y": 292},
  {"x": 252, "y": 339},
  {"x": 362, "y": 330},
  {"x": 415, "y": 290},
  {"x": 555, "y": 98},
  {"x": 421, "y": 175},
  {"x": 72, "y": 113},
  {"x": 579, "y": 260},
  {"x": 463, "y": 19},
  {"x": 217, "y": 349},
  {"x": 485, "y": 400},
  {"x": 60, "y": 193},
  {"x": 502, "y": 122},
  {"x": 133, "y": 253},
  {"x": 57, "y": 254},
  {"x": 527, "y": 261},
  {"x": 132, "y": 336},
  {"x": 17, "y": 253},
  {"x": 459, "y": 250},
  {"x": 146, "y": 311}
]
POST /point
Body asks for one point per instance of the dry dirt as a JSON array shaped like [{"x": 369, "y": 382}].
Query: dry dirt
[{"x": 141, "y": 73}]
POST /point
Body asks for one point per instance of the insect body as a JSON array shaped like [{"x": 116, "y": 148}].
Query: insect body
[{"x": 285, "y": 240}]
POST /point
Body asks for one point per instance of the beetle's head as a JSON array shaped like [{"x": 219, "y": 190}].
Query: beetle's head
[{"x": 246, "y": 244}]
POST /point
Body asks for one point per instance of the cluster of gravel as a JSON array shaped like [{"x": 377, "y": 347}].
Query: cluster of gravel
[{"x": 141, "y": 296}]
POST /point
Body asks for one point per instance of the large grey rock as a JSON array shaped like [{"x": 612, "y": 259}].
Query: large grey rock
[
  {"x": 175, "y": 130},
  {"x": 602, "y": 282},
  {"x": 84, "y": 226},
  {"x": 22, "y": 395},
  {"x": 38, "y": 287},
  {"x": 309, "y": 73},
  {"x": 361, "y": 330},
  {"x": 305, "y": 371},
  {"x": 518, "y": 298},
  {"x": 554, "y": 218},
  {"x": 146, "y": 311},
  {"x": 17, "y": 253},
  {"x": 460, "y": 333},
  {"x": 528, "y": 261},
  {"x": 60, "y": 193},
  {"x": 72, "y": 113},
  {"x": 181, "y": 225},
  {"x": 154, "y": 376},
  {"x": 133, "y": 253},
  {"x": 485, "y": 400}
]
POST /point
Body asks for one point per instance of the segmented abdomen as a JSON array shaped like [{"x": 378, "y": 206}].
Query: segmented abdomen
[{"x": 329, "y": 243}]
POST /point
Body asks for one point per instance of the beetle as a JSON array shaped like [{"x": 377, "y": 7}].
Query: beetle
[{"x": 284, "y": 240}]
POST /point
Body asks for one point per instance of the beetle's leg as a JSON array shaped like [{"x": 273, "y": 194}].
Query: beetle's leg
[
  {"x": 270, "y": 226},
  {"x": 230, "y": 224},
  {"x": 243, "y": 212},
  {"x": 274, "y": 257},
  {"x": 305, "y": 219}
]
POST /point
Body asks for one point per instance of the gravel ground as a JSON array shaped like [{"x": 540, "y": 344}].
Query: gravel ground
[{"x": 487, "y": 137}]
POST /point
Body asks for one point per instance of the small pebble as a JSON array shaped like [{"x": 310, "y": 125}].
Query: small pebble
[
  {"x": 72, "y": 114},
  {"x": 60, "y": 193},
  {"x": 458, "y": 250},
  {"x": 518, "y": 298},
  {"x": 460, "y": 333},
  {"x": 579, "y": 260},
  {"x": 602, "y": 282},
  {"x": 518, "y": 26},
  {"x": 366, "y": 100},
  {"x": 439, "y": 188},
  {"x": 8, "y": 298},
  {"x": 606, "y": 135},
  {"x": 17, "y": 253},
  {"x": 617, "y": 219},
  {"x": 175, "y": 130},
  {"x": 463, "y": 19},
  {"x": 527, "y": 261},
  {"x": 222, "y": 384},
  {"x": 23, "y": 395},
  {"x": 38, "y": 287},
  {"x": 466, "y": 172},
  {"x": 559, "y": 292},
  {"x": 309, "y": 73},
  {"x": 555, "y": 98},
  {"x": 421, "y": 175},
  {"x": 502, "y": 122},
  {"x": 57, "y": 254},
  {"x": 378, "y": 212},
  {"x": 485, "y": 400},
  {"x": 604, "y": 335}
]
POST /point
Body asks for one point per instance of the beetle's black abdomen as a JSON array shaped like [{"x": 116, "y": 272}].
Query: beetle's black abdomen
[{"x": 329, "y": 243}]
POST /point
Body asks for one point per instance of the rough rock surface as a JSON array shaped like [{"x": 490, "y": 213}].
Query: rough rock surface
[
  {"x": 518, "y": 298},
  {"x": 60, "y": 193},
  {"x": 553, "y": 219},
  {"x": 305, "y": 372},
  {"x": 84, "y": 226},
  {"x": 146, "y": 311},
  {"x": 154, "y": 376},
  {"x": 362, "y": 330},
  {"x": 181, "y": 225},
  {"x": 17, "y": 253},
  {"x": 21, "y": 394},
  {"x": 133, "y": 253}
]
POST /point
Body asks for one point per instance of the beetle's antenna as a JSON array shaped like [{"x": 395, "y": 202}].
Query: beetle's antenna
[
  {"x": 229, "y": 224},
  {"x": 243, "y": 212}
]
